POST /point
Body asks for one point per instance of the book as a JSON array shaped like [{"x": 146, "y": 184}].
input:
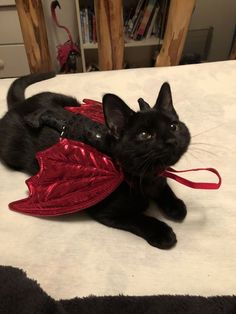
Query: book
[
  {"x": 86, "y": 25},
  {"x": 157, "y": 25},
  {"x": 134, "y": 33},
  {"x": 164, "y": 15},
  {"x": 146, "y": 16},
  {"x": 82, "y": 25},
  {"x": 136, "y": 19},
  {"x": 128, "y": 14},
  {"x": 94, "y": 29},
  {"x": 137, "y": 10},
  {"x": 90, "y": 24},
  {"x": 153, "y": 21},
  {"x": 149, "y": 23}
]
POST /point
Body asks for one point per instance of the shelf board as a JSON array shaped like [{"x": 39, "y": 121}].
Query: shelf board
[
  {"x": 152, "y": 41},
  {"x": 90, "y": 46}
]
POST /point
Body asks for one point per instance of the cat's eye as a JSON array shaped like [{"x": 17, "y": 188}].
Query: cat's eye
[
  {"x": 144, "y": 136},
  {"x": 174, "y": 126}
]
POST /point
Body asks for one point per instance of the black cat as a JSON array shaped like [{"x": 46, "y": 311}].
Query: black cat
[
  {"x": 19, "y": 142},
  {"x": 143, "y": 143}
]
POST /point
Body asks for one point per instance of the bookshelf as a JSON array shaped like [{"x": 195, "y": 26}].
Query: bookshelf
[
  {"x": 152, "y": 41},
  {"x": 89, "y": 46},
  {"x": 110, "y": 49}
]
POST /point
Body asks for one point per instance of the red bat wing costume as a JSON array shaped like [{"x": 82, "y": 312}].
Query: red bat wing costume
[{"x": 74, "y": 176}]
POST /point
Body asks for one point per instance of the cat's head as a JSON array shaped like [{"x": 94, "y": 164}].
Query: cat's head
[{"x": 149, "y": 140}]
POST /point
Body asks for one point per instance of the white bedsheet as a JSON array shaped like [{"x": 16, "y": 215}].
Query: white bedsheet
[{"x": 75, "y": 256}]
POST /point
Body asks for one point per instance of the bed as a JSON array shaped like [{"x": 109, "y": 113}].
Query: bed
[{"x": 73, "y": 255}]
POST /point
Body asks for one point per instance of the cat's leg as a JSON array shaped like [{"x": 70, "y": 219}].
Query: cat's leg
[
  {"x": 49, "y": 110},
  {"x": 170, "y": 204},
  {"x": 124, "y": 211},
  {"x": 39, "y": 118}
]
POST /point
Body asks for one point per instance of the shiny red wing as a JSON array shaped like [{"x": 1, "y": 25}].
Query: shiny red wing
[
  {"x": 91, "y": 109},
  {"x": 73, "y": 176}
]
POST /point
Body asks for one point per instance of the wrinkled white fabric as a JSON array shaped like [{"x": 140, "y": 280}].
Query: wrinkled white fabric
[{"x": 75, "y": 256}]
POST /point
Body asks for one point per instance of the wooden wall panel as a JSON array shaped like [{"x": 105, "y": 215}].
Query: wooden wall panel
[
  {"x": 109, "y": 17},
  {"x": 179, "y": 17},
  {"x": 34, "y": 34}
]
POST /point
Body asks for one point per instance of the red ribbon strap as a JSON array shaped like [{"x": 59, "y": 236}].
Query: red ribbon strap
[{"x": 170, "y": 173}]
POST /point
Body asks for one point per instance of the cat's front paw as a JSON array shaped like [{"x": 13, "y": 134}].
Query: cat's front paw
[
  {"x": 163, "y": 237},
  {"x": 176, "y": 210}
]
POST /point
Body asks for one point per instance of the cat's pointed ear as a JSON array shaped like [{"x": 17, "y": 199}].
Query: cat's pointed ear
[
  {"x": 164, "y": 99},
  {"x": 116, "y": 114},
  {"x": 143, "y": 105}
]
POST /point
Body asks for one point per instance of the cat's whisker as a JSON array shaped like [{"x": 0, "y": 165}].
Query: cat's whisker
[
  {"x": 149, "y": 165},
  {"x": 148, "y": 162},
  {"x": 145, "y": 164},
  {"x": 199, "y": 150},
  {"x": 201, "y": 143},
  {"x": 186, "y": 156},
  {"x": 208, "y": 130},
  {"x": 194, "y": 156},
  {"x": 148, "y": 157},
  {"x": 144, "y": 167},
  {"x": 207, "y": 144}
]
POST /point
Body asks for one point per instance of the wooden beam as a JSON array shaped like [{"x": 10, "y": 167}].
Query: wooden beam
[
  {"x": 179, "y": 17},
  {"x": 34, "y": 34},
  {"x": 233, "y": 52},
  {"x": 117, "y": 33},
  {"x": 103, "y": 34},
  {"x": 109, "y": 18}
]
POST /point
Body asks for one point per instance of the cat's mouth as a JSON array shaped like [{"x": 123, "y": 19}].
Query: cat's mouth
[
  {"x": 161, "y": 163},
  {"x": 150, "y": 164},
  {"x": 150, "y": 169},
  {"x": 173, "y": 157}
]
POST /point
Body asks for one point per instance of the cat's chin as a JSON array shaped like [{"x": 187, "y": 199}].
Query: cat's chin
[
  {"x": 172, "y": 159},
  {"x": 151, "y": 174},
  {"x": 157, "y": 167}
]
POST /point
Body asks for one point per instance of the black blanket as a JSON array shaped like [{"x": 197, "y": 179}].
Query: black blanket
[{"x": 21, "y": 295}]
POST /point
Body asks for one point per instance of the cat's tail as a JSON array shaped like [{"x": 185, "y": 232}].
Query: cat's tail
[{"x": 16, "y": 92}]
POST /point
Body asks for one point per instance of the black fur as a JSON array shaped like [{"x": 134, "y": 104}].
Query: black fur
[
  {"x": 20, "y": 294},
  {"x": 20, "y": 140},
  {"x": 143, "y": 144}
]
